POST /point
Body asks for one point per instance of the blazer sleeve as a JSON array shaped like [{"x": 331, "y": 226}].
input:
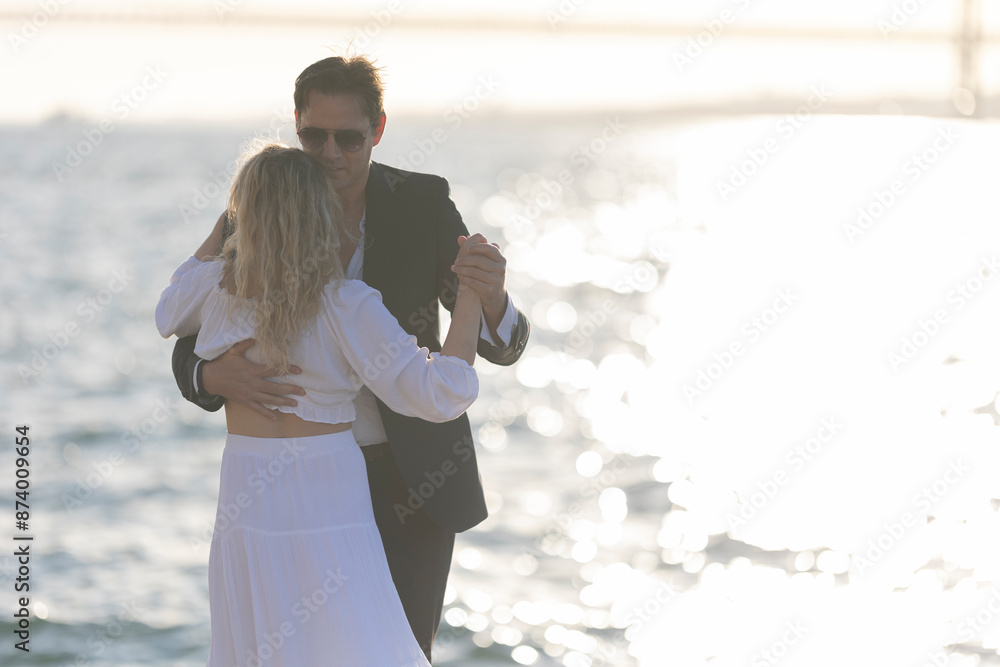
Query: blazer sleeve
[
  {"x": 187, "y": 373},
  {"x": 449, "y": 227}
]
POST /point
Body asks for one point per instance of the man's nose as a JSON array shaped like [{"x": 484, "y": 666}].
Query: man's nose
[{"x": 331, "y": 149}]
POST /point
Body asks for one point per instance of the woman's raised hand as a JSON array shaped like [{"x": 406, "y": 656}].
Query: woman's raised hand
[
  {"x": 465, "y": 245},
  {"x": 463, "y": 333}
]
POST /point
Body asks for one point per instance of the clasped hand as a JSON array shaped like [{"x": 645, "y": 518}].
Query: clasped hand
[{"x": 481, "y": 266}]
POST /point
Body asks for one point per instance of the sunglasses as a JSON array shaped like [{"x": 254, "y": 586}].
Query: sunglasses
[{"x": 314, "y": 138}]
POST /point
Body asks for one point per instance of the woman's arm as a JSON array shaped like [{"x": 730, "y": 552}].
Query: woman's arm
[
  {"x": 450, "y": 225},
  {"x": 407, "y": 378},
  {"x": 463, "y": 334},
  {"x": 179, "y": 310},
  {"x": 213, "y": 244}
]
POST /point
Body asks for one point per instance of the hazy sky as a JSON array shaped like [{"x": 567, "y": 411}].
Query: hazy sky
[{"x": 226, "y": 59}]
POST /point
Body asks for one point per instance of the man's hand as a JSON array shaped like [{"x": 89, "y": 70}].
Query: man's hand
[
  {"x": 235, "y": 378},
  {"x": 483, "y": 267}
]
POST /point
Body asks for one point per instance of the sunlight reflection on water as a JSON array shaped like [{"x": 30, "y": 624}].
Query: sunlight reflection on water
[
  {"x": 868, "y": 469},
  {"x": 656, "y": 498}
]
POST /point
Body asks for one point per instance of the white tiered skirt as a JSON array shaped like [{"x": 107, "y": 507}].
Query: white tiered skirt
[{"x": 297, "y": 575}]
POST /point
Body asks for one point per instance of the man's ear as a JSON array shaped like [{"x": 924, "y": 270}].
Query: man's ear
[{"x": 379, "y": 129}]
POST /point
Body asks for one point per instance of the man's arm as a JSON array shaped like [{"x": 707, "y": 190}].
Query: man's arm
[
  {"x": 186, "y": 366},
  {"x": 450, "y": 227},
  {"x": 231, "y": 374},
  {"x": 505, "y": 356}
]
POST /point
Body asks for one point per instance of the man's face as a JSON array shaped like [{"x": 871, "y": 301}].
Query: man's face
[{"x": 342, "y": 111}]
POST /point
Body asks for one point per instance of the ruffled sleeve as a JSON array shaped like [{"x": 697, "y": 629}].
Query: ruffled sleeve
[
  {"x": 405, "y": 377},
  {"x": 179, "y": 309}
]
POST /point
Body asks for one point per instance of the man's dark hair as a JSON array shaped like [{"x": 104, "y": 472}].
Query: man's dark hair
[{"x": 336, "y": 75}]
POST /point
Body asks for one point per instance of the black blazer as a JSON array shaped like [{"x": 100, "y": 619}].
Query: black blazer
[{"x": 410, "y": 229}]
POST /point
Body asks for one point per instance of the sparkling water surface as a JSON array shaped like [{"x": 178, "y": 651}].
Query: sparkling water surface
[{"x": 755, "y": 424}]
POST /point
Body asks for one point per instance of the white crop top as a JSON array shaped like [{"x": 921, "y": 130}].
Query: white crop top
[{"x": 353, "y": 341}]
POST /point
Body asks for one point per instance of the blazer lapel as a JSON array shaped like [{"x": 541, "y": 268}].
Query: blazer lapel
[
  {"x": 379, "y": 217},
  {"x": 400, "y": 247}
]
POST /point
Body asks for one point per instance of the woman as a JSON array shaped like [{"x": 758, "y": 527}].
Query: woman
[{"x": 297, "y": 574}]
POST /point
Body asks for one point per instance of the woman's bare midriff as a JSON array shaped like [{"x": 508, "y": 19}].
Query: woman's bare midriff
[{"x": 241, "y": 420}]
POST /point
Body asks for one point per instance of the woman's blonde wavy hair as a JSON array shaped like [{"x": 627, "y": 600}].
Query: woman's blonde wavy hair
[{"x": 285, "y": 244}]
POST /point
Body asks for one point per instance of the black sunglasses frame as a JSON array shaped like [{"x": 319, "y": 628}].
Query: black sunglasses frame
[{"x": 344, "y": 138}]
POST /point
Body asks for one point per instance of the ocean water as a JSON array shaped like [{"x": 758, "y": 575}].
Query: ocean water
[{"x": 756, "y": 422}]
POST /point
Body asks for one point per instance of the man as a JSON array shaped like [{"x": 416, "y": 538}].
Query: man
[{"x": 424, "y": 478}]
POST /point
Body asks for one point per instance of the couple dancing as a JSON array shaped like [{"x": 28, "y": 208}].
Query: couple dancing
[{"x": 335, "y": 554}]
